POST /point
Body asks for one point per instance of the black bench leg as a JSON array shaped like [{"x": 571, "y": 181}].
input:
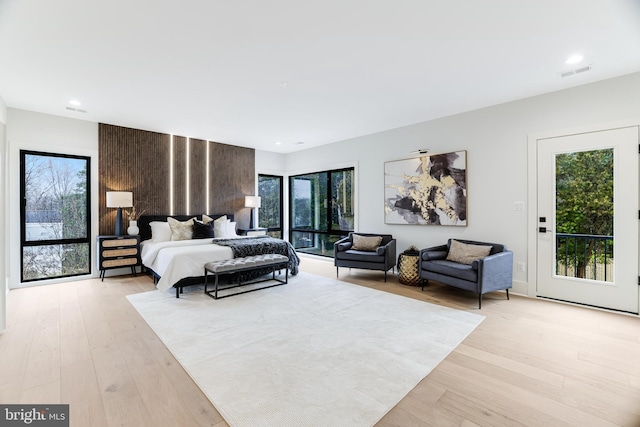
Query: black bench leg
[
  {"x": 507, "y": 293},
  {"x": 337, "y": 269},
  {"x": 479, "y": 301}
]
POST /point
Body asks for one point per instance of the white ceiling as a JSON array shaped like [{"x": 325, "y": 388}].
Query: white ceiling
[{"x": 216, "y": 70}]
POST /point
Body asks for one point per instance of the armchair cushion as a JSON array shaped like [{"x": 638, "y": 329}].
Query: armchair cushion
[
  {"x": 366, "y": 243},
  {"x": 451, "y": 268},
  {"x": 464, "y": 253},
  {"x": 363, "y": 256}
]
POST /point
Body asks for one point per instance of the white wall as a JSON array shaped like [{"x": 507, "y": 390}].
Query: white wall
[
  {"x": 28, "y": 130},
  {"x": 3, "y": 224},
  {"x": 495, "y": 139}
]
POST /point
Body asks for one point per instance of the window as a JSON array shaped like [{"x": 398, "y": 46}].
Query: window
[
  {"x": 270, "y": 211},
  {"x": 321, "y": 210},
  {"x": 55, "y": 215}
]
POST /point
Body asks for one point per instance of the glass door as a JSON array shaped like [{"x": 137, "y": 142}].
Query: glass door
[{"x": 588, "y": 219}]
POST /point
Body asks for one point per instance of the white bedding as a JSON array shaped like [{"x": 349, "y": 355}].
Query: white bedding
[{"x": 175, "y": 260}]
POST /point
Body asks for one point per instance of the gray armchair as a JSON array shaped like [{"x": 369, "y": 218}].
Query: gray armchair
[
  {"x": 363, "y": 251},
  {"x": 489, "y": 273}
]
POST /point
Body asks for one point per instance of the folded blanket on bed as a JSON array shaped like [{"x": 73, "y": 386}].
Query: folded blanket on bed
[{"x": 259, "y": 245}]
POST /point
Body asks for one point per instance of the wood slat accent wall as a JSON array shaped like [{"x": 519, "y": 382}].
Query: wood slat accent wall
[
  {"x": 139, "y": 161},
  {"x": 197, "y": 178},
  {"x": 226, "y": 162},
  {"x": 179, "y": 178}
]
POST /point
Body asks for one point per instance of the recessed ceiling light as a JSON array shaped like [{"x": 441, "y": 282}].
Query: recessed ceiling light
[
  {"x": 278, "y": 143},
  {"x": 574, "y": 59},
  {"x": 284, "y": 84},
  {"x": 75, "y": 102}
]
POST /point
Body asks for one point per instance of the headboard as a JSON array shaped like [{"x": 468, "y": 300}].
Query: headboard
[{"x": 145, "y": 220}]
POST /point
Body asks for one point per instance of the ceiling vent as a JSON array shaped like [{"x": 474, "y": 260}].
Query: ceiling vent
[
  {"x": 78, "y": 110},
  {"x": 576, "y": 71}
]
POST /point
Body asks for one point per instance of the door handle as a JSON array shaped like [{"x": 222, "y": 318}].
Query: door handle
[{"x": 544, "y": 230}]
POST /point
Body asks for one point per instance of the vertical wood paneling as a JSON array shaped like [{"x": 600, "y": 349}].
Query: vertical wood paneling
[
  {"x": 197, "y": 176},
  {"x": 139, "y": 161},
  {"x": 179, "y": 175},
  {"x": 232, "y": 177},
  {"x": 132, "y": 160}
]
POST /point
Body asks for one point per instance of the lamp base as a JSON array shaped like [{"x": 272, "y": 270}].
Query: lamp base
[{"x": 119, "y": 225}]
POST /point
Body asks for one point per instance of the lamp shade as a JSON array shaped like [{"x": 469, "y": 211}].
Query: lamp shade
[
  {"x": 251, "y": 201},
  {"x": 119, "y": 199}
]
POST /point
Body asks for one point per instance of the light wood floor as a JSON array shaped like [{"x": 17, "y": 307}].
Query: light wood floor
[{"x": 531, "y": 362}]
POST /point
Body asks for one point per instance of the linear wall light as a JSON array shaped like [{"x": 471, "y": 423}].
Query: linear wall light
[
  {"x": 207, "y": 177},
  {"x": 171, "y": 175},
  {"x": 186, "y": 178}
]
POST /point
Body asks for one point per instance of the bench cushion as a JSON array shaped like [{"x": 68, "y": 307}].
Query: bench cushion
[{"x": 245, "y": 263}]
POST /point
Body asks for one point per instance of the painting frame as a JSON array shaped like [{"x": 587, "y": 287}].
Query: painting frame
[{"x": 430, "y": 189}]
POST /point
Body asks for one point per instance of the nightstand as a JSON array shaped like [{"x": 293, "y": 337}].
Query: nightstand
[
  {"x": 252, "y": 231},
  {"x": 118, "y": 252}
]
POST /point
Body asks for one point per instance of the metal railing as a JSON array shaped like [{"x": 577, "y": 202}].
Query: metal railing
[{"x": 585, "y": 256}]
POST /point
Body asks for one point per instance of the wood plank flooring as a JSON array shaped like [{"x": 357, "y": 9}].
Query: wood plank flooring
[{"x": 530, "y": 363}]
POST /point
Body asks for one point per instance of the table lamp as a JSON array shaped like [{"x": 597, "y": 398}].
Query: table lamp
[
  {"x": 119, "y": 200},
  {"x": 251, "y": 202}
]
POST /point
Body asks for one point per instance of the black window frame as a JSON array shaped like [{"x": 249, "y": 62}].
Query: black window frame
[
  {"x": 24, "y": 243},
  {"x": 281, "y": 201},
  {"x": 328, "y": 213}
]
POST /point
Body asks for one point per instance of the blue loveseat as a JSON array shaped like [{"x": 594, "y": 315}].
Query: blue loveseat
[{"x": 489, "y": 273}]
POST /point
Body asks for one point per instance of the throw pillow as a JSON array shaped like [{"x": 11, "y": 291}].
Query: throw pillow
[
  {"x": 231, "y": 229},
  {"x": 206, "y": 219},
  {"x": 366, "y": 243},
  {"x": 220, "y": 228},
  {"x": 465, "y": 254},
  {"x": 160, "y": 231},
  {"x": 181, "y": 230},
  {"x": 202, "y": 230}
]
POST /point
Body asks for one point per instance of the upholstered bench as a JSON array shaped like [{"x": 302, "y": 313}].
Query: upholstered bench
[{"x": 238, "y": 265}]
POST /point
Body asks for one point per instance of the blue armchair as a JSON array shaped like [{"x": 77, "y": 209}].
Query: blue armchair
[
  {"x": 373, "y": 254},
  {"x": 489, "y": 273}
]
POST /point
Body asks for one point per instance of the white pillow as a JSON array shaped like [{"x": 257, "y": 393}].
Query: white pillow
[
  {"x": 231, "y": 229},
  {"x": 160, "y": 231},
  {"x": 220, "y": 227},
  {"x": 206, "y": 219}
]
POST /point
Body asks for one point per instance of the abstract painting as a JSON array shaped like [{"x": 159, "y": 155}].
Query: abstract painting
[{"x": 430, "y": 189}]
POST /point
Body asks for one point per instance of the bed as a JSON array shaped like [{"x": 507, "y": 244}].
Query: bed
[{"x": 176, "y": 264}]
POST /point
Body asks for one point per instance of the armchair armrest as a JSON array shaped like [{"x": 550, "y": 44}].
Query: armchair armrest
[
  {"x": 389, "y": 252},
  {"x": 435, "y": 252},
  {"x": 495, "y": 272},
  {"x": 343, "y": 244},
  {"x": 389, "y": 248}
]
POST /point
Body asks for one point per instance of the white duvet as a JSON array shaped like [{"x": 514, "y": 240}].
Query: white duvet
[{"x": 176, "y": 260}]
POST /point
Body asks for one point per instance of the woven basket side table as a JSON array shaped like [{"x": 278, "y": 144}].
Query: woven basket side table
[{"x": 408, "y": 272}]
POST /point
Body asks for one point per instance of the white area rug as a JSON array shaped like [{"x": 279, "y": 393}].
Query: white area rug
[{"x": 315, "y": 352}]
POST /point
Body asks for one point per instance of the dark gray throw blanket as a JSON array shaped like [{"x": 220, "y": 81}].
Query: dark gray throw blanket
[{"x": 259, "y": 245}]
